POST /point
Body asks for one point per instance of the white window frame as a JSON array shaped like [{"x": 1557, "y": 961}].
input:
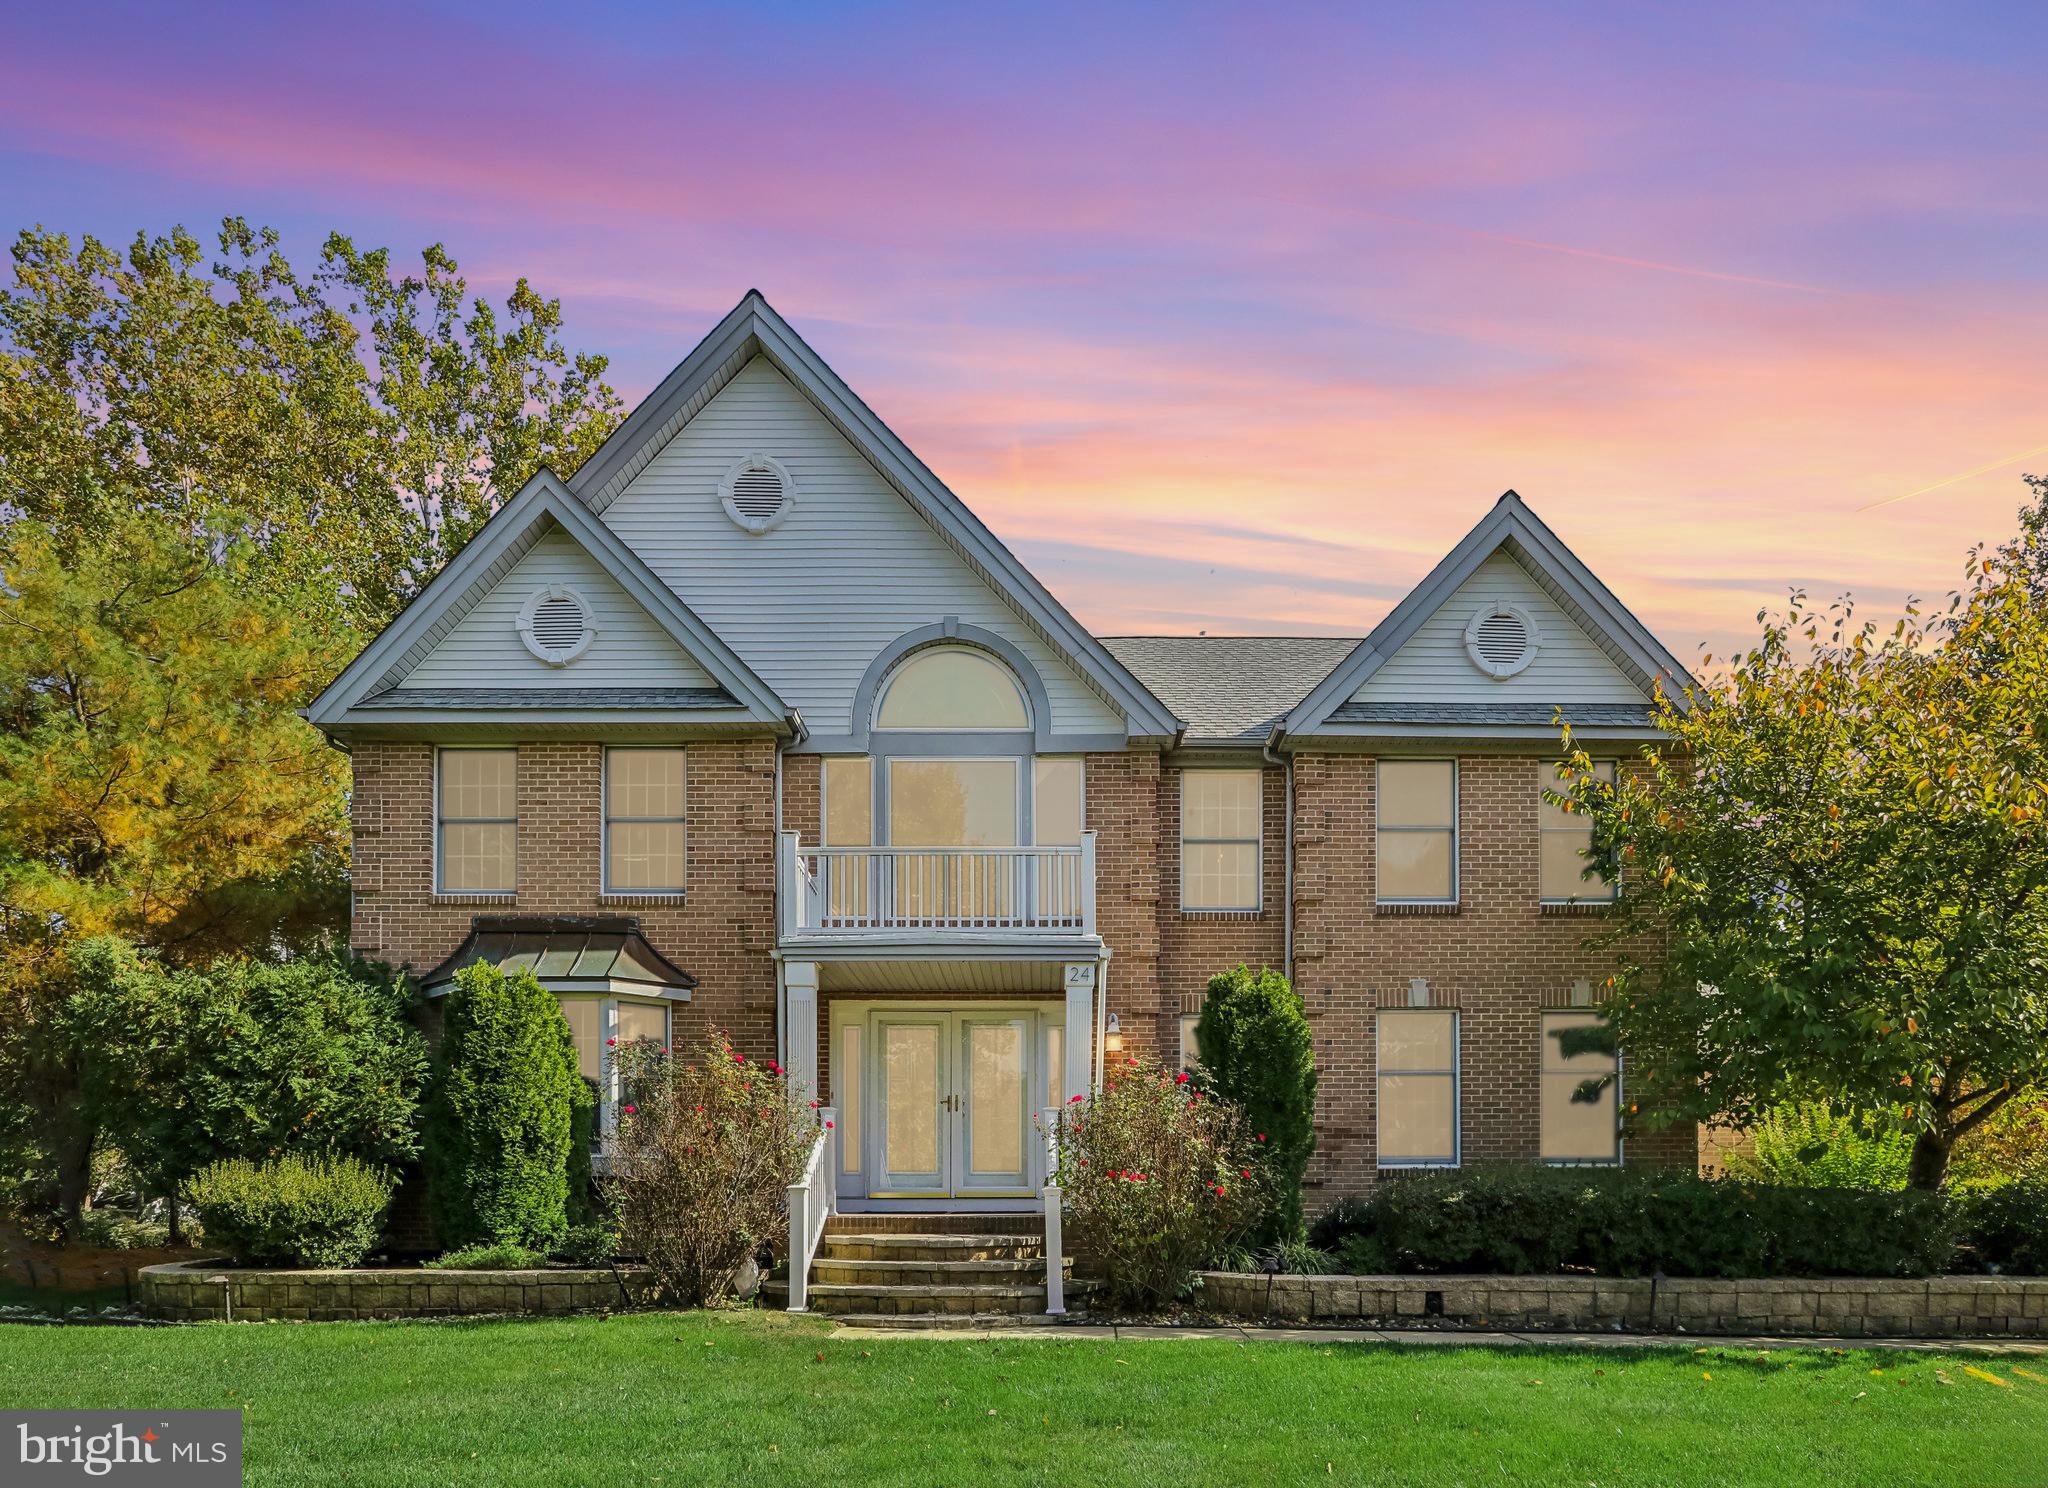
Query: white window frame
[
  {"x": 1457, "y": 1074},
  {"x": 1543, "y": 1017},
  {"x": 1606, "y": 891},
  {"x": 605, "y": 820},
  {"x": 1379, "y": 827},
  {"x": 441, "y": 888},
  {"x": 608, "y": 1096},
  {"x": 1258, "y": 904}
]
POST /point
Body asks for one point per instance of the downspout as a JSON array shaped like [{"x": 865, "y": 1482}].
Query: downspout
[{"x": 1286, "y": 763}]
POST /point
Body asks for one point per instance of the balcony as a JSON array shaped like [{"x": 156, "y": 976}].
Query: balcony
[{"x": 937, "y": 893}]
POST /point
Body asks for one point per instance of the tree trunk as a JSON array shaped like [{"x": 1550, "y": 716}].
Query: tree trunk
[
  {"x": 174, "y": 1232},
  {"x": 1929, "y": 1165},
  {"x": 73, "y": 1154}
]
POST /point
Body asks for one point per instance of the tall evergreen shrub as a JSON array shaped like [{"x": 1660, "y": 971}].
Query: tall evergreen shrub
[
  {"x": 500, "y": 1124},
  {"x": 1257, "y": 1051}
]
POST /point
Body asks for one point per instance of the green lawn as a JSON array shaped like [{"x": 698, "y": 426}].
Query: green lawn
[{"x": 692, "y": 1398}]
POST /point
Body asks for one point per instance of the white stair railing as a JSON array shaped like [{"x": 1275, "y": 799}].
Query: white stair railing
[
  {"x": 1055, "y": 1258},
  {"x": 811, "y": 1201}
]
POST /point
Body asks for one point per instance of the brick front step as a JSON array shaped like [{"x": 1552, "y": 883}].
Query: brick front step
[
  {"x": 933, "y": 1248},
  {"x": 926, "y": 1301},
  {"x": 922, "y": 1272},
  {"x": 935, "y": 1224}
]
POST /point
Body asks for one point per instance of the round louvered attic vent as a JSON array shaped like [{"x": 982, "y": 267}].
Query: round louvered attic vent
[
  {"x": 1501, "y": 639},
  {"x": 557, "y": 625},
  {"x": 757, "y": 493}
]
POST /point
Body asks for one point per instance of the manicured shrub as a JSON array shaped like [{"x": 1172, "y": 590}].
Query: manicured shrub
[
  {"x": 247, "y": 1058},
  {"x": 1257, "y": 1052},
  {"x": 701, "y": 1161},
  {"x": 296, "y": 1211},
  {"x": 502, "y": 1112},
  {"x": 498, "y": 1256},
  {"x": 593, "y": 1244},
  {"x": 1813, "y": 1145},
  {"x": 2005, "y": 1228},
  {"x": 1158, "y": 1178},
  {"x": 1526, "y": 1220}
]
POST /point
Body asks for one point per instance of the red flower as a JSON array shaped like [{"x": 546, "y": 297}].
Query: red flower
[
  {"x": 738, "y": 1058},
  {"x": 1244, "y": 1172},
  {"x": 631, "y": 1110},
  {"x": 816, "y": 1104},
  {"x": 1262, "y": 1136},
  {"x": 1072, "y": 1098},
  {"x": 828, "y": 1126},
  {"x": 1181, "y": 1078},
  {"x": 609, "y": 1042}
]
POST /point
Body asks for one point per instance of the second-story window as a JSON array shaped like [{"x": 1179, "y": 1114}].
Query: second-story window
[
  {"x": 1418, "y": 832},
  {"x": 643, "y": 821},
  {"x": 1566, "y": 872},
  {"x": 476, "y": 828},
  {"x": 1219, "y": 839}
]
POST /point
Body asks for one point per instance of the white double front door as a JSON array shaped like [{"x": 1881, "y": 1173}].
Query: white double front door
[{"x": 953, "y": 1099}]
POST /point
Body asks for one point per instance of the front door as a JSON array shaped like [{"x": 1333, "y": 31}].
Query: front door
[{"x": 952, "y": 1104}]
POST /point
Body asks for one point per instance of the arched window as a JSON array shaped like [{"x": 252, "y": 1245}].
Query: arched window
[{"x": 951, "y": 688}]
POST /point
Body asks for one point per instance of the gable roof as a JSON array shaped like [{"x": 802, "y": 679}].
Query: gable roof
[
  {"x": 753, "y": 328},
  {"x": 1230, "y": 689},
  {"x": 366, "y": 691},
  {"x": 1511, "y": 526}
]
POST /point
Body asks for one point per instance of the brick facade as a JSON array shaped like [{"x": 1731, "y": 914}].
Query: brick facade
[
  {"x": 722, "y": 930},
  {"x": 1498, "y": 956}
]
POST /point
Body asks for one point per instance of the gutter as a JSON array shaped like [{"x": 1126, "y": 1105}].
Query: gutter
[{"x": 1272, "y": 754}]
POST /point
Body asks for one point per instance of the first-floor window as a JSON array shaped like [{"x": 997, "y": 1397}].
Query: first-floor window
[
  {"x": 1418, "y": 1087},
  {"x": 476, "y": 825},
  {"x": 592, "y": 1021},
  {"x": 1190, "y": 1051},
  {"x": 643, "y": 821},
  {"x": 1577, "y": 1130}
]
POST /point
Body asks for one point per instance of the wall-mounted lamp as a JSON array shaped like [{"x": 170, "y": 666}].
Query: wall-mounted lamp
[{"x": 1113, "y": 1039}]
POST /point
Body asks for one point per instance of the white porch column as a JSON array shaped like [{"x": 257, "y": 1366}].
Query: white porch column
[
  {"x": 1081, "y": 980},
  {"x": 800, "y": 1031}
]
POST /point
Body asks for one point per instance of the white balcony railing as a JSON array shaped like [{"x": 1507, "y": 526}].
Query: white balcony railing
[{"x": 869, "y": 890}]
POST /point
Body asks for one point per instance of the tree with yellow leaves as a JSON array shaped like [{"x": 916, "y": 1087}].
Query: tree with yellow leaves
[
  {"x": 156, "y": 783},
  {"x": 1833, "y": 882}
]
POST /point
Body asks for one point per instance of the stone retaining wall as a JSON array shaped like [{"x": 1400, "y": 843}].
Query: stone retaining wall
[
  {"x": 1939, "y": 1307},
  {"x": 203, "y": 1291}
]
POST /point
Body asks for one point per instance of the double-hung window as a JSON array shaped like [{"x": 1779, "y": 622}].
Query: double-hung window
[
  {"x": 643, "y": 821},
  {"x": 476, "y": 824},
  {"x": 1577, "y": 1130},
  {"x": 1418, "y": 1087},
  {"x": 1566, "y": 870},
  {"x": 1418, "y": 832},
  {"x": 1219, "y": 839}
]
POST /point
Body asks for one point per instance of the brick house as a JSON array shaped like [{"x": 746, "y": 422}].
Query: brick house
[{"x": 751, "y": 724}]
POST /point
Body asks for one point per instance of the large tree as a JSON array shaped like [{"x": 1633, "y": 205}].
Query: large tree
[
  {"x": 155, "y": 784},
  {"x": 1834, "y": 879},
  {"x": 357, "y": 423}
]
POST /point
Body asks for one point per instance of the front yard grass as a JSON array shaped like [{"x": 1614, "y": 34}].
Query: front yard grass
[{"x": 763, "y": 1398}]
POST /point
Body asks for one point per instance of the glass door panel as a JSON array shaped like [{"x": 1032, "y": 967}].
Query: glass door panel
[
  {"x": 993, "y": 1106},
  {"x": 912, "y": 1087}
]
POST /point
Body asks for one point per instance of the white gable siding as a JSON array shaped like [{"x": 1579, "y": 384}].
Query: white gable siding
[
  {"x": 485, "y": 650},
  {"x": 809, "y": 605},
  {"x": 1432, "y": 666}
]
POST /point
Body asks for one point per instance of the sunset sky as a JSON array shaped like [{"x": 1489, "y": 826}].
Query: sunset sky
[{"x": 1228, "y": 318}]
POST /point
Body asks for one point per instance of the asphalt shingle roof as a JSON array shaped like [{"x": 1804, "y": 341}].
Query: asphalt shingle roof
[{"x": 1230, "y": 688}]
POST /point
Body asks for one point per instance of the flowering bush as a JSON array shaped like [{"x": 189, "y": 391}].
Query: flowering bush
[
  {"x": 700, "y": 1162},
  {"x": 1157, "y": 1179}
]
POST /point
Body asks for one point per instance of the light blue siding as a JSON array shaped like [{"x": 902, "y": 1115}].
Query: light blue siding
[
  {"x": 484, "y": 648},
  {"x": 1432, "y": 665},
  {"x": 811, "y": 603}
]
